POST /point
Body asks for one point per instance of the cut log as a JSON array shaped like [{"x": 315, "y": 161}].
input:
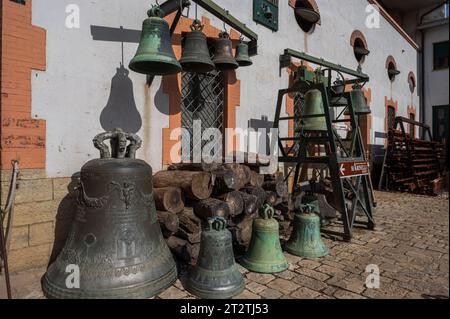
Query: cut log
[
  {"x": 279, "y": 187},
  {"x": 225, "y": 181},
  {"x": 242, "y": 233},
  {"x": 250, "y": 203},
  {"x": 190, "y": 227},
  {"x": 277, "y": 177},
  {"x": 211, "y": 207},
  {"x": 271, "y": 198},
  {"x": 195, "y": 185},
  {"x": 195, "y": 167},
  {"x": 234, "y": 201},
  {"x": 242, "y": 173},
  {"x": 169, "y": 223},
  {"x": 183, "y": 250},
  {"x": 256, "y": 179},
  {"x": 169, "y": 199},
  {"x": 258, "y": 192}
]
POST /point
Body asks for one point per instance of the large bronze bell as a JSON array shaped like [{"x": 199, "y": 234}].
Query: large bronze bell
[
  {"x": 306, "y": 240},
  {"x": 216, "y": 275},
  {"x": 360, "y": 106},
  {"x": 242, "y": 57},
  {"x": 115, "y": 241},
  {"x": 313, "y": 107},
  {"x": 264, "y": 254},
  {"x": 223, "y": 56},
  {"x": 155, "y": 54},
  {"x": 195, "y": 57}
]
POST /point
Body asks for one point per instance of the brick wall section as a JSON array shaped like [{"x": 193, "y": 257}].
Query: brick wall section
[
  {"x": 172, "y": 87},
  {"x": 22, "y": 50}
]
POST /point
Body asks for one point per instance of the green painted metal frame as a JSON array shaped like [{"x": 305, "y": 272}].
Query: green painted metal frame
[
  {"x": 171, "y": 6},
  {"x": 360, "y": 185}
]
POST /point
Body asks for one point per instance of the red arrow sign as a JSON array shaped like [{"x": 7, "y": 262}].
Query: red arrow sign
[{"x": 349, "y": 169}]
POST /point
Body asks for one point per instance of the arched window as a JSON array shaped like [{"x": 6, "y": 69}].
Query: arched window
[
  {"x": 360, "y": 47},
  {"x": 391, "y": 67},
  {"x": 307, "y": 14},
  {"x": 412, "y": 82}
]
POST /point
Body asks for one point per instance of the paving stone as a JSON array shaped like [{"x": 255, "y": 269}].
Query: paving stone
[
  {"x": 287, "y": 274},
  {"x": 309, "y": 282},
  {"x": 344, "y": 294},
  {"x": 255, "y": 287},
  {"x": 247, "y": 294},
  {"x": 310, "y": 264},
  {"x": 305, "y": 293},
  {"x": 260, "y": 278},
  {"x": 312, "y": 273},
  {"x": 270, "y": 293},
  {"x": 283, "y": 285},
  {"x": 172, "y": 293}
]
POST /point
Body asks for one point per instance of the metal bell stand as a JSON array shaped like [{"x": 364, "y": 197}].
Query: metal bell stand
[{"x": 345, "y": 158}]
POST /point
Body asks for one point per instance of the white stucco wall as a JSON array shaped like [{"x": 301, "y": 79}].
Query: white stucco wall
[
  {"x": 71, "y": 94},
  {"x": 436, "y": 81}
]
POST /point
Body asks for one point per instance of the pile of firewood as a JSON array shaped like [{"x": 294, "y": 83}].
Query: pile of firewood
[{"x": 187, "y": 194}]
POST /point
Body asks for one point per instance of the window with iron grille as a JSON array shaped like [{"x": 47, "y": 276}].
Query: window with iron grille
[
  {"x": 390, "y": 117},
  {"x": 202, "y": 98}
]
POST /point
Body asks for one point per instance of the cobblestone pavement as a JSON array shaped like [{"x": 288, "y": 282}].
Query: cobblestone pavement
[{"x": 410, "y": 245}]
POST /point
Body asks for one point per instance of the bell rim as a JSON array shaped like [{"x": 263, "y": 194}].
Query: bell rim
[
  {"x": 214, "y": 294},
  {"x": 226, "y": 65},
  {"x": 145, "y": 290},
  {"x": 297, "y": 253},
  {"x": 192, "y": 66},
  {"x": 169, "y": 66},
  {"x": 244, "y": 63},
  {"x": 246, "y": 263}
]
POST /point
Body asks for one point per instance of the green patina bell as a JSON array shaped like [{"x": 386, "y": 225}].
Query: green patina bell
[
  {"x": 155, "y": 54},
  {"x": 216, "y": 275},
  {"x": 265, "y": 254},
  {"x": 242, "y": 57},
  {"x": 313, "y": 106},
  {"x": 306, "y": 240},
  {"x": 360, "y": 106}
]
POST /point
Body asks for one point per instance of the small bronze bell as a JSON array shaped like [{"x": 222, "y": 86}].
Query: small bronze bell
[
  {"x": 223, "y": 56},
  {"x": 195, "y": 57},
  {"x": 242, "y": 57},
  {"x": 313, "y": 107},
  {"x": 264, "y": 254},
  {"x": 115, "y": 241},
  {"x": 306, "y": 240},
  {"x": 216, "y": 275},
  {"x": 359, "y": 101},
  {"x": 155, "y": 54}
]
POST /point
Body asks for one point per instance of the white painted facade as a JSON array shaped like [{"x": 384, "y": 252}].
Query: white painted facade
[{"x": 71, "y": 94}]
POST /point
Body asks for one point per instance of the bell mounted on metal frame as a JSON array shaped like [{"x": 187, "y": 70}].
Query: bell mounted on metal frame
[
  {"x": 313, "y": 107},
  {"x": 264, "y": 254},
  {"x": 223, "y": 56},
  {"x": 155, "y": 55},
  {"x": 360, "y": 106},
  {"x": 306, "y": 240},
  {"x": 195, "y": 57},
  {"x": 242, "y": 57},
  {"x": 216, "y": 275},
  {"x": 115, "y": 239}
]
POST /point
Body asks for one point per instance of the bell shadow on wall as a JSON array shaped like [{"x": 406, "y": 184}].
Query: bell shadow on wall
[
  {"x": 264, "y": 140},
  {"x": 64, "y": 217},
  {"x": 120, "y": 110}
]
